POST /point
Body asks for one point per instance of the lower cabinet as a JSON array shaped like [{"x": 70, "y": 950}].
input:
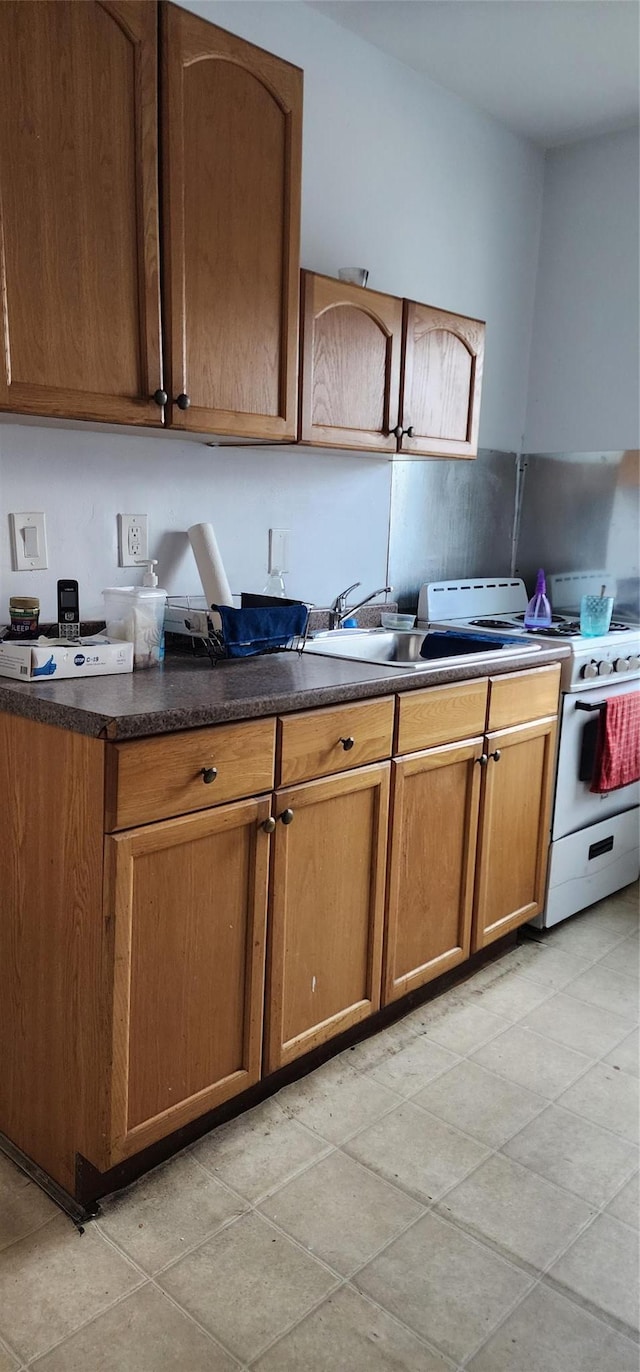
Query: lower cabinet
[
  {"x": 514, "y": 828},
  {"x": 186, "y": 907},
  {"x": 436, "y": 800},
  {"x": 327, "y": 910},
  {"x": 196, "y": 938}
]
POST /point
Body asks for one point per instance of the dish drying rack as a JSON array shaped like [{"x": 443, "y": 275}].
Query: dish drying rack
[{"x": 191, "y": 617}]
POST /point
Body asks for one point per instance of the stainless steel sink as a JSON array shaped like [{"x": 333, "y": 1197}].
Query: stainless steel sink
[{"x": 418, "y": 649}]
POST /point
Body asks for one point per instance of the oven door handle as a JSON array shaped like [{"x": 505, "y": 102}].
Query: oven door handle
[{"x": 582, "y": 705}]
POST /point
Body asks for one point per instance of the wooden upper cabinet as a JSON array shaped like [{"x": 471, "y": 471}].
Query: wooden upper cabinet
[
  {"x": 231, "y": 139},
  {"x": 79, "y": 277},
  {"x": 350, "y": 366},
  {"x": 441, "y": 382},
  {"x": 384, "y": 375}
]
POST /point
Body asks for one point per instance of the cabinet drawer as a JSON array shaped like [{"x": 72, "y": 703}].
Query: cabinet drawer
[
  {"x": 313, "y": 744},
  {"x": 441, "y": 714},
  {"x": 154, "y": 778},
  {"x": 517, "y": 698}
]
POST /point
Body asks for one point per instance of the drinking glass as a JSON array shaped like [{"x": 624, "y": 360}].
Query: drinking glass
[{"x": 595, "y": 615}]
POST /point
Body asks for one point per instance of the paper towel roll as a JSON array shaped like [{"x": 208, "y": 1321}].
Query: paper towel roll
[{"x": 210, "y": 565}]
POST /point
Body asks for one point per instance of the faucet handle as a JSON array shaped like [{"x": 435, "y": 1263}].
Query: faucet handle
[{"x": 341, "y": 599}]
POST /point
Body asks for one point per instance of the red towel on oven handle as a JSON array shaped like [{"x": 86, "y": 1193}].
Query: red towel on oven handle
[{"x": 618, "y": 749}]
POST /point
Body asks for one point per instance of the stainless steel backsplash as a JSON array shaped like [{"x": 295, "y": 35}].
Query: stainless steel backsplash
[
  {"x": 566, "y": 512},
  {"x": 581, "y": 512},
  {"x": 450, "y": 518}
]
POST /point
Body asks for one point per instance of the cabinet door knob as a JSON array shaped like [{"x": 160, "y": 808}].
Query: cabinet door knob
[
  {"x": 269, "y": 825},
  {"x": 347, "y": 744},
  {"x": 182, "y": 401},
  {"x": 286, "y": 816},
  {"x": 209, "y": 774},
  {"x": 409, "y": 431},
  {"x": 160, "y": 397},
  {"x": 496, "y": 756},
  {"x": 398, "y": 432},
  {"x": 483, "y": 759}
]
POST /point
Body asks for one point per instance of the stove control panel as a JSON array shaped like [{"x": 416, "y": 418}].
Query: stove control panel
[{"x": 610, "y": 662}]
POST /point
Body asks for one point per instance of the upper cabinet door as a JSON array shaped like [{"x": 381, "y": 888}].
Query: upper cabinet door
[
  {"x": 232, "y": 131},
  {"x": 441, "y": 382},
  {"x": 79, "y": 287},
  {"x": 351, "y": 341}
]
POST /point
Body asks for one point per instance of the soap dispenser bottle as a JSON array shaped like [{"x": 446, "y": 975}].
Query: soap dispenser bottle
[{"x": 538, "y": 611}]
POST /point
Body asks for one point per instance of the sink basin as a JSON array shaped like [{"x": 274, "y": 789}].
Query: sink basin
[{"x": 418, "y": 649}]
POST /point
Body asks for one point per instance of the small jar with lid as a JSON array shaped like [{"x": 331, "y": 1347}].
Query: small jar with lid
[{"x": 24, "y": 613}]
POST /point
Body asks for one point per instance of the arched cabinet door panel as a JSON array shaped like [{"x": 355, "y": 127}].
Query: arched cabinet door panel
[
  {"x": 79, "y": 270},
  {"x": 441, "y": 382},
  {"x": 232, "y": 128},
  {"x": 350, "y": 366}
]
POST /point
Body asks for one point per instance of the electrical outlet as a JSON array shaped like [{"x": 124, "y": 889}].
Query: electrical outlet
[
  {"x": 279, "y": 550},
  {"x": 29, "y": 540},
  {"x": 133, "y": 539}
]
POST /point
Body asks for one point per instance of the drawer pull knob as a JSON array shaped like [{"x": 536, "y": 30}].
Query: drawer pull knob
[
  {"x": 286, "y": 816},
  {"x": 269, "y": 825},
  {"x": 483, "y": 759},
  {"x": 209, "y": 774},
  {"x": 347, "y": 744},
  {"x": 496, "y": 756}
]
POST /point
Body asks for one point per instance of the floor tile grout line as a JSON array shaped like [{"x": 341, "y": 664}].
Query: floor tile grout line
[
  {"x": 36, "y": 1230},
  {"x": 150, "y": 1280},
  {"x": 541, "y": 1273},
  {"x": 544, "y": 1272},
  {"x": 533, "y": 1282},
  {"x": 265, "y": 1195},
  {"x": 51, "y": 1348},
  {"x": 552, "y": 1283}
]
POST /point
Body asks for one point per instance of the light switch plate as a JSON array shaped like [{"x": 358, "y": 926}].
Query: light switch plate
[
  {"x": 279, "y": 550},
  {"x": 28, "y": 541}
]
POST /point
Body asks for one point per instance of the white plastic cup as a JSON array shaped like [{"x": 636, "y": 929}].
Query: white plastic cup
[{"x": 135, "y": 614}]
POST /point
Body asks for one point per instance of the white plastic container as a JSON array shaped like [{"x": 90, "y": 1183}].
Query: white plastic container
[{"x": 136, "y": 615}]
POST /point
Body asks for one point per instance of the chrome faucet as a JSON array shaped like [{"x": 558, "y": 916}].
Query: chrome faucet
[{"x": 340, "y": 610}]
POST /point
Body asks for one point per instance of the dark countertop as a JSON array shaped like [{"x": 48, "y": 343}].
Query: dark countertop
[{"x": 188, "y": 693}]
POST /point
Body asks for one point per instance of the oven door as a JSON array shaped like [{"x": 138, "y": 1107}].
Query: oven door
[{"x": 576, "y": 806}]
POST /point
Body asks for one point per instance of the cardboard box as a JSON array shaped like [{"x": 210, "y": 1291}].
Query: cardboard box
[{"x": 47, "y": 661}]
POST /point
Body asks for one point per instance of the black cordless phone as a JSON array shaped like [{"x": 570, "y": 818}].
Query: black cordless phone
[{"x": 68, "y": 610}]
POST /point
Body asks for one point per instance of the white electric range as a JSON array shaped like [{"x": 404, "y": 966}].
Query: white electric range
[{"x": 595, "y": 839}]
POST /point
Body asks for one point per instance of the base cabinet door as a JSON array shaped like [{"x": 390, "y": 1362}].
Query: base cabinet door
[
  {"x": 185, "y": 909},
  {"x": 435, "y": 807},
  {"x": 513, "y": 842},
  {"x": 325, "y": 939}
]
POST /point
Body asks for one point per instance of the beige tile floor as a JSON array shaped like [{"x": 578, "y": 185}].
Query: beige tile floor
[{"x": 460, "y": 1191}]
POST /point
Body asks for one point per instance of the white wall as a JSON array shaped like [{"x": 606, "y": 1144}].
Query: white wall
[
  {"x": 336, "y": 508},
  {"x": 585, "y": 358},
  {"x": 440, "y": 203}
]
